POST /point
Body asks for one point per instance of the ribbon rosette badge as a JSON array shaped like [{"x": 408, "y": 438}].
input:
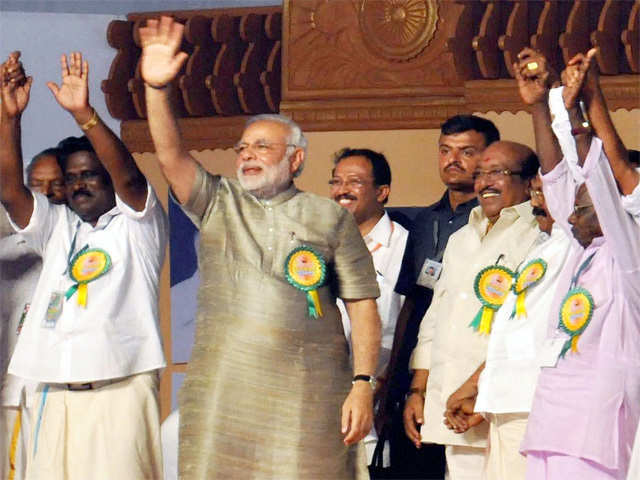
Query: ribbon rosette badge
[
  {"x": 306, "y": 270},
  {"x": 492, "y": 285},
  {"x": 87, "y": 266},
  {"x": 575, "y": 314},
  {"x": 530, "y": 275}
]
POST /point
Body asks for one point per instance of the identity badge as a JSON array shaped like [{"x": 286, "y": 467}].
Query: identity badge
[
  {"x": 54, "y": 310},
  {"x": 430, "y": 273}
]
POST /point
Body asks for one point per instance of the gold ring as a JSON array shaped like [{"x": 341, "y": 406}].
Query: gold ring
[{"x": 532, "y": 65}]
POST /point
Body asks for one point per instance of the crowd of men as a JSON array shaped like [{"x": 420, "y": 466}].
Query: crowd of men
[{"x": 494, "y": 336}]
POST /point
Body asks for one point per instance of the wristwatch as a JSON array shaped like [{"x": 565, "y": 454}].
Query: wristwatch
[{"x": 365, "y": 378}]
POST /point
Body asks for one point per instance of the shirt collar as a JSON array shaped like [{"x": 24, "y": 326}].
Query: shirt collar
[
  {"x": 281, "y": 197},
  {"x": 479, "y": 221},
  {"x": 103, "y": 220},
  {"x": 381, "y": 232}
]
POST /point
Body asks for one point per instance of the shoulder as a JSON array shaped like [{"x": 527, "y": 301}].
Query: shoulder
[{"x": 321, "y": 204}]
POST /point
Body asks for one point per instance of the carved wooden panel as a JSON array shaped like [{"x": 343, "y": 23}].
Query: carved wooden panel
[
  {"x": 195, "y": 93},
  {"x": 368, "y": 64},
  {"x": 116, "y": 93},
  {"x": 224, "y": 95},
  {"x": 631, "y": 38},
  {"x": 551, "y": 22}
]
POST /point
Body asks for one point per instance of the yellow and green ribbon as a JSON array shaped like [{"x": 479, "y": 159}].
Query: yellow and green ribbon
[
  {"x": 575, "y": 314},
  {"x": 85, "y": 267},
  {"x": 306, "y": 270},
  {"x": 492, "y": 285},
  {"x": 529, "y": 276}
]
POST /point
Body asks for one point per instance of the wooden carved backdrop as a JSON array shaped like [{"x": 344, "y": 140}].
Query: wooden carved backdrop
[{"x": 367, "y": 64}]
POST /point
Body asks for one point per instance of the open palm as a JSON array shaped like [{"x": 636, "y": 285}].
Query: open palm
[
  {"x": 73, "y": 93},
  {"x": 161, "y": 59}
]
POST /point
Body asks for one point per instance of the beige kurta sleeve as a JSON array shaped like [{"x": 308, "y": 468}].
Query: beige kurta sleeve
[
  {"x": 202, "y": 197},
  {"x": 353, "y": 263}
]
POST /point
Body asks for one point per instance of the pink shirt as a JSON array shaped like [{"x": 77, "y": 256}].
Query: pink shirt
[{"x": 589, "y": 404}]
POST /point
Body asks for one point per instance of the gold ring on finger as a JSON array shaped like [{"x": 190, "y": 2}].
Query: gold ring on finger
[{"x": 532, "y": 65}]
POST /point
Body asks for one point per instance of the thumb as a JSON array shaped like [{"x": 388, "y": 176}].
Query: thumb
[
  {"x": 54, "y": 88},
  {"x": 419, "y": 414},
  {"x": 178, "y": 61}
]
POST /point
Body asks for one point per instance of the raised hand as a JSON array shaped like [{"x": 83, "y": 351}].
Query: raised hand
[
  {"x": 161, "y": 59},
  {"x": 534, "y": 76},
  {"x": 14, "y": 87},
  {"x": 581, "y": 75},
  {"x": 73, "y": 93}
]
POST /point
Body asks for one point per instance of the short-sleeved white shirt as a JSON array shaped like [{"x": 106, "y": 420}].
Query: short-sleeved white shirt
[{"x": 117, "y": 333}]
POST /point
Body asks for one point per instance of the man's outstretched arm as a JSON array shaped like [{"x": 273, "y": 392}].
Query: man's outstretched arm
[
  {"x": 14, "y": 90},
  {"x": 73, "y": 96},
  {"x": 160, "y": 63}
]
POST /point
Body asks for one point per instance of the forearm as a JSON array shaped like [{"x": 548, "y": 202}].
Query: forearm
[
  {"x": 365, "y": 335},
  {"x": 583, "y": 140},
  {"x": 177, "y": 164},
  {"x": 13, "y": 193},
  {"x": 419, "y": 380},
  {"x": 128, "y": 181},
  {"x": 547, "y": 147},
  {"x": 624, "y": 173}
]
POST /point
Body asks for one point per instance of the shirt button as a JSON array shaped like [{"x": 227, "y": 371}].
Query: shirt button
[
  {"x": 269, "y": 248},
  {"x": 271, "y": 229},
  {"x": 463, "y": 295},
  {"x": 450, "y": 222}
]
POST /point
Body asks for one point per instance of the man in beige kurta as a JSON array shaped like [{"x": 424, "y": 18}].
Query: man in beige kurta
[
  {"x": 267, "y": 378},
  {"x": 500, "y": 231}
]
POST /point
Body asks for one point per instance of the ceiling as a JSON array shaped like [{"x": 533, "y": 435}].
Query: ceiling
[{"x": 122, "y": 7}]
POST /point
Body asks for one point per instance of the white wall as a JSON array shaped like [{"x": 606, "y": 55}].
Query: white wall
[{"x": 42, "y": 38}]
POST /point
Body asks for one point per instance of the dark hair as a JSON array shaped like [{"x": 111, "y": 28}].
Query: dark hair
[
  {"x": 530, "y": 166},
  {"x": 53, "y": 152},
  {"x": 464, "y": 123},
  {"x": 71, "y": 145},
  {"x": 379, "y": 165},
  {"x": 634, "y": 157}
]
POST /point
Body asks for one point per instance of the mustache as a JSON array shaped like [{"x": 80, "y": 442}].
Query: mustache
[
  {"x": 538, "y": 212},
  {"x": 455, "y": 164},
  {"x": 81, "y": 191},
  {"x": 346, "y": 196}
]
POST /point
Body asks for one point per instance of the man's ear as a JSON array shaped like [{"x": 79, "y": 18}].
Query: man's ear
[
  {"x": 296, "y": 160},
  {"x": 383, "y": 193}
]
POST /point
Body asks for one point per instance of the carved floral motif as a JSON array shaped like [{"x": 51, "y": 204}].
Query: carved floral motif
[{"x": 398, "y": 30}]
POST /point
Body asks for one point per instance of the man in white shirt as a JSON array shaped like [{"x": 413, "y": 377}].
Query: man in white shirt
[
  {"x": 361, "y": 182},
  {"x": 450, "y": 346},
  {"x": 91, "y": 336},
  {"x": 19, "y": 272}
]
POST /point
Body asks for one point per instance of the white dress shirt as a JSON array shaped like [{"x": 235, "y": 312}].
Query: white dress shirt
[
  {"x": 515, "y": 343},
  {"x": 117, "y": 333},
  {"x": 386, "y": 241}
]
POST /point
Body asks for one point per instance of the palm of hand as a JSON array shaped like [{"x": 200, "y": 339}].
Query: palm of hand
[
  {"x": 72, "y": 93},
  {"x": 156, "y": 66}
]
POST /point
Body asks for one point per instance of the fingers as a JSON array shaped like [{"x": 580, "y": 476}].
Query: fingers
[
  {"x": 164, "y": 31},
  {"x": 474, "y": 420},
  {"x": 413, "y": 417},
  {"x": 359, "y": 426}
]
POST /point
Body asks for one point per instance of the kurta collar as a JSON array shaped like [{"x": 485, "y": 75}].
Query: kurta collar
[
  {"x": 103, "y": 220},
  {"x": 280, "y": 197},
  {"x": 381, "y": 232},
  {"x": 479, "y": 221}
]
